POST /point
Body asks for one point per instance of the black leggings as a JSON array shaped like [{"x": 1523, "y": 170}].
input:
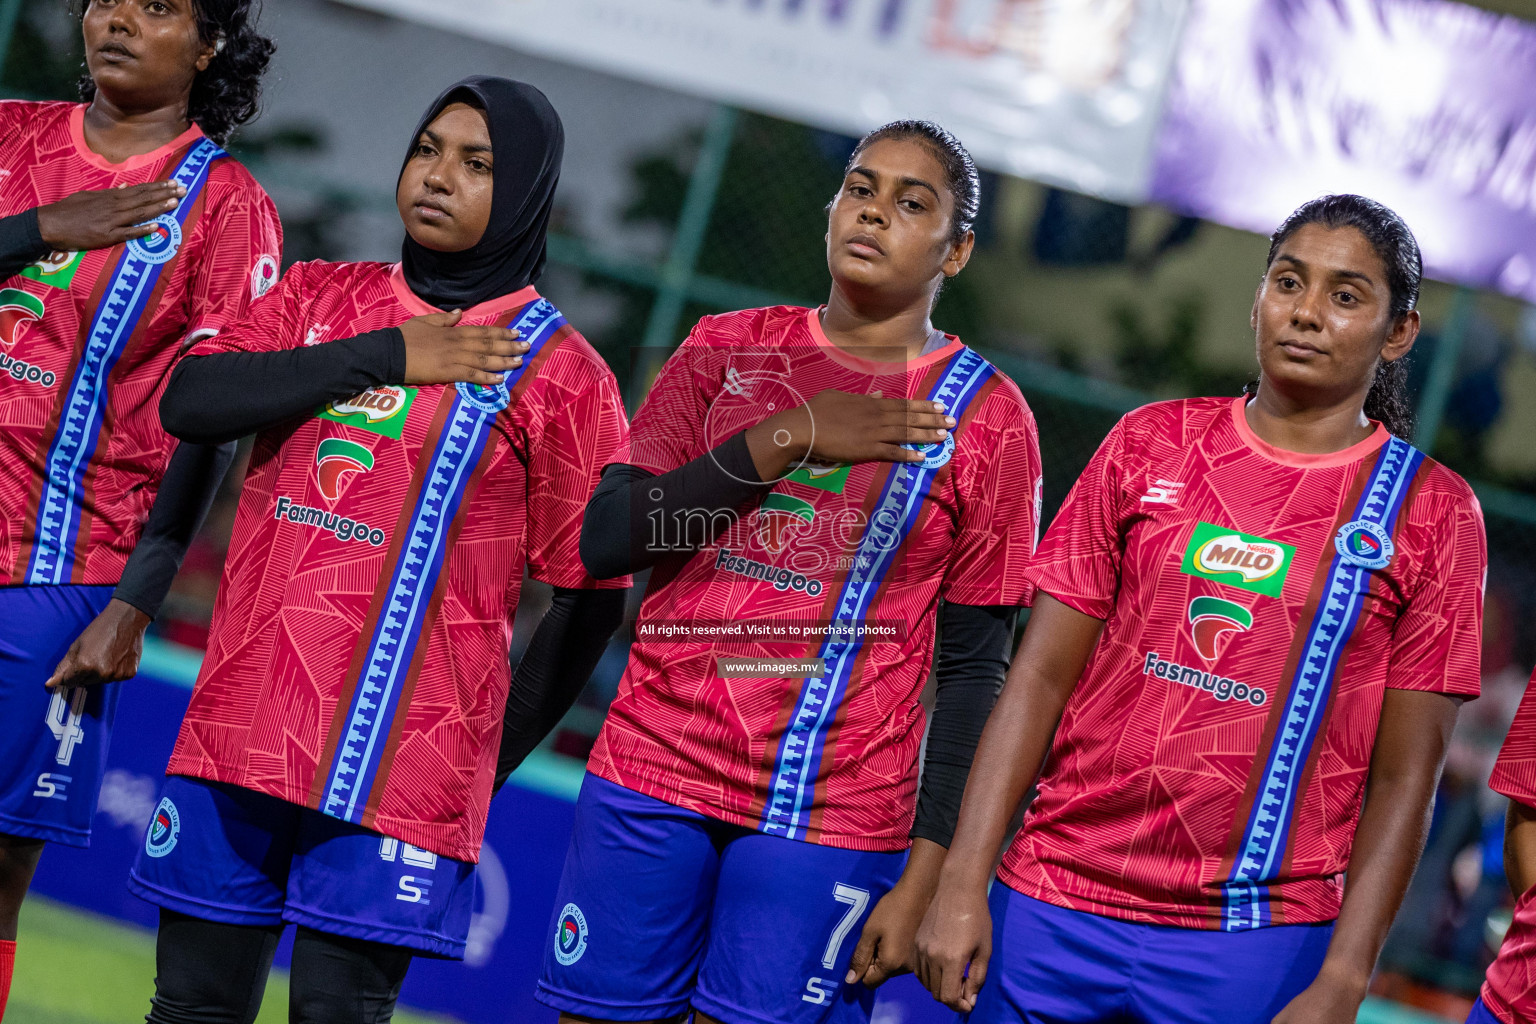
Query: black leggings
[{"x": 212, "y": 973}]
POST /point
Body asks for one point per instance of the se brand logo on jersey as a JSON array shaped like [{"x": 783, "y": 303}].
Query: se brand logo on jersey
[
  {"x": 570, "y": 935},
  {"x": 164, "y": 828},
  {"x": 160, "y": 245},
  {"x": 379, "y": 410},
  {"x": 1211, "y": 619},
  {"x": 778, "y": 519},
  {"x": 1238, "y": 559},
  {"x": 335, "y": 458},
  {"x": 1365, "y": 544}
]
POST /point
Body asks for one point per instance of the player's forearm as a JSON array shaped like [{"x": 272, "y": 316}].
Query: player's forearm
[
  {"x": 972, "y": 662},
  {"x": 561, "y": 655},
  {"x": 190, "y": 484},
  {"x": 636, "y": 518},
  {"x": 21, "y": 242},
  {"x": 1394, "y": 822},
  {"x": 1520, "y": 847},
  {"x": 227, "y": 395},
  {"x": 1013, "y": 747}
]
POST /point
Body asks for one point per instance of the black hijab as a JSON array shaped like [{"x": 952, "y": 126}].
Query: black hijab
[{"x": 527, "y": 143}]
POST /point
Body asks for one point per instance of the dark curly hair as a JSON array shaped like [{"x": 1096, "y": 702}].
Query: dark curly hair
[
  {"x": 225, "y": 94},
  {"x": 1388, "y": 400},
  {"x": 960, "y": 175}
]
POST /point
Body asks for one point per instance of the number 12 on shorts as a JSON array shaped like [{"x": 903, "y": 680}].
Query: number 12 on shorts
[{"x": 821, "y": 990}]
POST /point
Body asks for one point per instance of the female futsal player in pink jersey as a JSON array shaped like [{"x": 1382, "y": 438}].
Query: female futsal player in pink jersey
[
  {"x": 816, "y": 490},
  {"x": 126, "y": 233},
  {"x": 1253, "y": 616}
]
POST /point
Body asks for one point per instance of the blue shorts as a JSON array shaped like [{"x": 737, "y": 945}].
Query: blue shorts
[
  {"x": 53, "y": 746},
  {"x": 1063, "y": 966},
  {"x": 1481, "y": 1014},
  {"x": 223, "y": 853},
  {"x": 660, "y": 908}
]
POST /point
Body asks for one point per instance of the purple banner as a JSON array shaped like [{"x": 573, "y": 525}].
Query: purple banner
[{"x": 1426, "y": 105}]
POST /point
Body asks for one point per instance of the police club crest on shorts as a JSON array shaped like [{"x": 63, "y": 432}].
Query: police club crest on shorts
[
  {"x": 164, "y": 829},
  {"x": 570, "y": 935}
]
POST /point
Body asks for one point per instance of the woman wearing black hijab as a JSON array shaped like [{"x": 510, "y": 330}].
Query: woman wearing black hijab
[{"x": 425, "y": 430}]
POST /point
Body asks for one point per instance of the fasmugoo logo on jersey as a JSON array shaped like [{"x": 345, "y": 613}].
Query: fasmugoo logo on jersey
[
  {"x": 1212, "y": 621},
  {"x": 164, "y": 827},
  {"x": 334, "y": 459},
  {"x": 160, "y": 245},
  {"x": 779, "y": 517},
  {"x": 17, "y": 308},
  {"x": 570, "y": 935},
  {"x": 380, "y": 410},
  {"x": 1237, "y": 559},
  {"x": 1365, "y": 544}
]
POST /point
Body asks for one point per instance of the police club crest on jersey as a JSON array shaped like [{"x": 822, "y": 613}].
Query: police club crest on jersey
[
  {"x": 1365, "y": 544},
  {"x": 936, "y": 454},
  {"x": 160, "y": 245},
  {"x": 486, "y": 399}
]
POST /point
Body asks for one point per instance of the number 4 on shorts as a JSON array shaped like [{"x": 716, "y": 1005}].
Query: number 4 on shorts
[{"x": 63, "y": 718}]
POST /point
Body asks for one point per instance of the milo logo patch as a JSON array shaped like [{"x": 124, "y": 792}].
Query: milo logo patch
[
  {"x": 1238, "y": 559},
  {"x": 382, "y": 410}
]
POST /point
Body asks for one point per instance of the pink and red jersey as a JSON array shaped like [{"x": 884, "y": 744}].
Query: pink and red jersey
[
  {"x": 1210, "y": 765},
  {"x": 839, "y": 567},
  {"x": 87, "y": 339},
  {"x": 1510, "y": 988},
  {"x": 358, "y": 657}
]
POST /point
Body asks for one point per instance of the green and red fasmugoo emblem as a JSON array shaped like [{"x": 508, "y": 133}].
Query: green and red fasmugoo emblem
[
  {"x": 16, "y": 308},
  {"x": 336, "y": 457},
  {"x": 1211, "y": 619},
  {"x": 779, "y": 516}
]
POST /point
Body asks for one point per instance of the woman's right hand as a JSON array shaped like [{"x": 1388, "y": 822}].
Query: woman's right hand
[
  {"x": 106, "y": 217},
  {"x": 954, "y": 944},
  {"x": 437, "y": 351},
  {"x": 839, "y": 427}
]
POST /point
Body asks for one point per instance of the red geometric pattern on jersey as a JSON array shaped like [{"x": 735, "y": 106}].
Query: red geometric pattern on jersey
[
  {"x": 1152, "y": 777},
  {"x": 678, "y": 730},
  {"x": 1509, "y": 989},
  {"x": 229, "y": 233},
  {"x": 297, "y": 601}
]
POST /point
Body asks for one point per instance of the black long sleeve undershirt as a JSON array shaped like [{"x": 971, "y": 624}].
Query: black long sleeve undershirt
[
  {"x": 225, "y": 396},
  {"x": 186, "y": 493},
  {"x": 688, "y": 507},
  {"x": 561, "y": 655},
  {"x": 975, "y": 646},
  {"x": 20, "y": 242}
]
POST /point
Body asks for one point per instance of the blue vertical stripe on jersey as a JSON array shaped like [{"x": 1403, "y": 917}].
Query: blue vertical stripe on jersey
[
  {"x": 371, "y": 715},
  {"x": 792, "y": 790},
  {"x": 85, "y": 400},
  {"x": 1269, "y": 823}
]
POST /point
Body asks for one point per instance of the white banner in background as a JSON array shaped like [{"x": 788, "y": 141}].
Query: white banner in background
[{"x": 1064, "y": 91}]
